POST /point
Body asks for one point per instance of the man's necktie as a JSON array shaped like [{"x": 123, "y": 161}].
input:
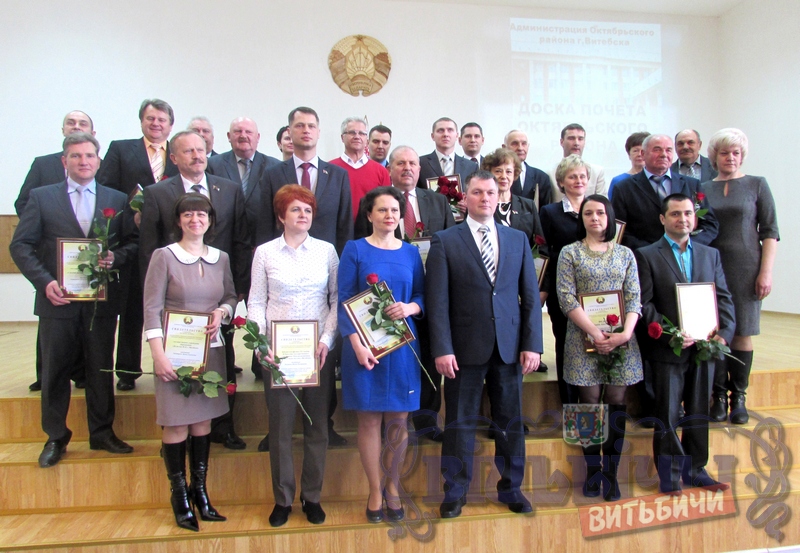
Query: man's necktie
[
  {"x": 306, "y": 180},
  {"x": 156, "y": 163},
  {"x": 409, "y": 219},
  {"x": 660, "y": 188},
  {"x": 197, "y": 188},
  {"x": 246, "y": 175},
  {"x": 83, "y": 211},
  {"x": 447, "y": 166},
  {"x": 487, "y": 253}
]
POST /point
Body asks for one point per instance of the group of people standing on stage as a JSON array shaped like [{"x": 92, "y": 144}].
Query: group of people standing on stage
[{"x": 218, "y": 229}]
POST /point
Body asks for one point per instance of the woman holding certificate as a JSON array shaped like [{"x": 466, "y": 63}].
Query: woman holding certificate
[
  {"x": 747, "y": 243},
  {"x": 190, "y": 277},
  {"x": 384, "y": 389},
  {"x": 560, "y": 228},
  {"x": 596, "y": 264},
  {"x": 294, "y": 279}
]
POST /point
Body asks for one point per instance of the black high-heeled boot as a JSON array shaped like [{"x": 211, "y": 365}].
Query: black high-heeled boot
[
  {"x": 740, "y": 378},
  {"x": 719, "y": 392},
  {"x": 175, "y": 461},
  {"x": 198, "y": 465},
  {"x": 612, "y": 450},
  {"x": 591, "y": 486}
]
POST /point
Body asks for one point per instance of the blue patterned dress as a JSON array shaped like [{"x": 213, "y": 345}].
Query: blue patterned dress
[{"x": 581, "y": 270}]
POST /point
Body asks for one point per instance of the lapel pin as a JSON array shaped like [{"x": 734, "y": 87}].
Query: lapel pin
[{"x": 325, "y": 171}]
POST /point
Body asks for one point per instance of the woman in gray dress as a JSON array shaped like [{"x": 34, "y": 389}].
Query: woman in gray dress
[
  {"x": 747, "y": 243},
  {"x": 596, "y": 263},
  {"x": 189, "y": 276}
]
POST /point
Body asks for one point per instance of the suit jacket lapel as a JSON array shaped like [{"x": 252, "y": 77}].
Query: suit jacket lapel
[
  {"x": 643, "y": 183},
  {"x": 143, "y": 159},
  {"x": 67, "y": 211},
  {"x": 233, "y": 170},
  {"x": 322, "y": 179},
  {"x": 433, "y": 162},
  {"x": 466, "y": 236},
  {"x": 666, "y": 252},
  {"x": 289, "y": 172},
  {"x": 423, "y": 203}
]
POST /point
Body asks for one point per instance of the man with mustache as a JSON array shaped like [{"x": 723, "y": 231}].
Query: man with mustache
[
  {"x": 188, "y": 152},
  {"x": 690, "y": 162}
]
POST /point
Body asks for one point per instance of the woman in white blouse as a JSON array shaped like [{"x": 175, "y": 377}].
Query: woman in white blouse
[{"x": 294, "y": 278}]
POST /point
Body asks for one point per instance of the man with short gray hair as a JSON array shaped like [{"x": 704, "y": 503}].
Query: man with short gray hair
[
  {"x": 364, "y": 173},
  {"x": 202, "y": 126},
  {"x": 690, "y": 162}
]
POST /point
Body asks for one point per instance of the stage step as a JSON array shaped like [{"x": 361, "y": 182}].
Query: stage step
[
  {"x": 139, "y": 479},
  {"x": 483, "y": 526}
]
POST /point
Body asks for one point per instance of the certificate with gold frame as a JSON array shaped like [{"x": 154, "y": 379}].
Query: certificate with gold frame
[
  {"x": 697, "y": 309},
  {"x": 72, "y": 281},
  {"x": 423, "y": 244},
  {"x": 452, "y": 181},
  {"x": 598, "y": 306},
  {"x": 295, "y": 343},
  {"x": 185, "y": 340},
  {"x": 620, "y": 231},
  {"x": 541, "y": 264},
  {"x": 379, "y": 342}
]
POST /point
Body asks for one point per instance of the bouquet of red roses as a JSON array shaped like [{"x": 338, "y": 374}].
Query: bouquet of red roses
[
  {"x": 706, "y": 349},
  {"x": 450, "y": 191}
]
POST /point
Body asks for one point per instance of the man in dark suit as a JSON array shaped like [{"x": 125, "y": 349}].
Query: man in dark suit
[
  {"x": 142, "y": 161},
  {"x": 484, "y": 315},
  {"x": 334, "y": 219},
  {"x": 532, "y": 183},
  {"x": 444, "y": 161},
  {"x": 49, "y": 169},
  {"x": 380, "y": 143},
  {"x": 675, "y": 258},
  {"x": 73, "y": 209},
  {"x": 202, "y": 126},
  {"x": 471, "y": 142},
  {"x": 637, "y": 199},
  {"x": 245, "y": 166},
  {"x": 187, "y": 150},
  {"x": 690, "y": 162}
]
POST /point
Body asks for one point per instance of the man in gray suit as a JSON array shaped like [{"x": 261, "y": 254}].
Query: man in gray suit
[
  {"x": 49, "y": 169},
  {"x": 245, "y": 166},
  {"x": 690, "y": 162},
  {"x": 187, "y": 150},
  {"x": 71, "y": 209},
  {"x": 444, "y": 161}
]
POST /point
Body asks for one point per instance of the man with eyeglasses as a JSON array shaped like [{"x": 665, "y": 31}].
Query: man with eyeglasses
[{"x": 364, "y": 173}]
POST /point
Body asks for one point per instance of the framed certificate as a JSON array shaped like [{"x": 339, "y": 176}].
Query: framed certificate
[
  {"x": 71, "y": 280},
  {"x": 620, "y": 231},
  {"x": 185, "y": 340},
  {"x": 453, "y": 183},
  {"x": 423, "y": 244},
  {"x": 598, "y": 306},
  {"x": 295, "y": 342},
  {"x": 377, "y": 340},
  {"x": 541, "y": 264},
  {"x": 697, "y": 309}
]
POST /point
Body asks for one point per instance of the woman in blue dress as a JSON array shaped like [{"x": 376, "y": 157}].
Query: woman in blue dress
[{"x": 382, "y": 390}]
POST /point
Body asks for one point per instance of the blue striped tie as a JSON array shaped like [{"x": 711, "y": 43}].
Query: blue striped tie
[{"x": 487, "y": 253}]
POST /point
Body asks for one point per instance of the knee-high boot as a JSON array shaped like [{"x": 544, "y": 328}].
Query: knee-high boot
[
  {"x": 198, "y": 465},
  {"x": 591, "y": 486},
  {"x": 740, "y": 378},
  {"x": 175, "y": 461},
  {"x": 719, "y": 393},
  {"x": 612, "y": 449}
]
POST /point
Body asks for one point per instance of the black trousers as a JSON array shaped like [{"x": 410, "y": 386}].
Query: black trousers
[
  {"x": 462, "y": 396},
  {"x": 59, "y": 354},
  {"x": 430, "y": 400},
  {"x": 131, "y": 324},
  {"x": 567, "y": 392},
  {"x": 78, "y": 371},
  {"x": 688, "y": 455}
]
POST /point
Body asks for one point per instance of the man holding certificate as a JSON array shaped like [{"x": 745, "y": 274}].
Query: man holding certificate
[
  {"x": 68, "y": 211},
  {"x": 673, "y": 260}
]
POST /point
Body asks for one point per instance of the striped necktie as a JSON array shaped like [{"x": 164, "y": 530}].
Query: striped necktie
[
  {"x": 487, "y": 253},
  {"x": 246, "y": 175},
  {"x": 156, "y": 162}
]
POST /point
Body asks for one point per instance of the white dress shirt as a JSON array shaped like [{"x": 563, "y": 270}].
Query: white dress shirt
[
  {"x": 313, "y": 171},
  {"x": 474, "y": 227},
  {"x": 187, "y": 186}
]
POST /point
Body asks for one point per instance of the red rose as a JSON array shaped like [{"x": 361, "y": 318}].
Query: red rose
[
  {"x": 420, "y": 226},
  {"x": 372, "y": 278},
  {"x": 700, "y": 196},
  {"x": 654, "y": 330},
  {"x": 612, "y": 320},
  {"x": 443, "y": 181},
  {"x": 444, "y": 189},
  {"x": 540, "y": 241},
  {"x": 230, "y": 389},
  {"x": 239, "y": 322},
  {"x": 109, "y": 212}
]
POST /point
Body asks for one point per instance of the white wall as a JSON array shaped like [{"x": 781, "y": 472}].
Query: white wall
[{"x": 248, "y": 57}]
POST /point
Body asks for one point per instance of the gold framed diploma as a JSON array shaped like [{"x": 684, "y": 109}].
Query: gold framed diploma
[
  {"x": 602, "y": 308},
  {"x": 362, "y": 312},
  {"x": 541, "y": 264},
  {"x": 453, "y": 185},
  {"x": 185, "y": 340},
  {"x": 697, "y": 309},
  {"x": 620, "y": 231},
  {"x": 423, "y": 244},
  {"x": 295, "y": 343},
  {"x": 72, "y": 281}
]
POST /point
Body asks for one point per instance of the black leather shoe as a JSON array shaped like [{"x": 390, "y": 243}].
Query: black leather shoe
[
  {"x": 237, "y": 370},
  {"x": 279, "y": 516},
  {"x": 719, "y": 409},
  {"x": 542, "y": 368},
  {"x": 112, "y": 444},
  {"x": 126, "y": 385},
  {"x": 335, "y": 439},
  {"x": 395, "y": 515},
  {"x": 739, "y": 414},
  {"x": 313, "y": 511},
  {"x": 516, "y": 502},
  {"x": 80, "y": 384},
  {"x": 52, "y": 453},
  {"x": 263, "y": 445},
  {"x": 36, "y": 386},
  {"x": 647, "y": 423},
  {"x": 374, "y": 516},
  {"x": 229, "y": 440},
  {"x": 671, "y": 488},
  {"x": 703, "y": 480},
  {"x": 452, "y": 509}
]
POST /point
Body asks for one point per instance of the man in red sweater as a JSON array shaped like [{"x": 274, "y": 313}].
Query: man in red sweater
[{"x": 364, "y": 173}]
